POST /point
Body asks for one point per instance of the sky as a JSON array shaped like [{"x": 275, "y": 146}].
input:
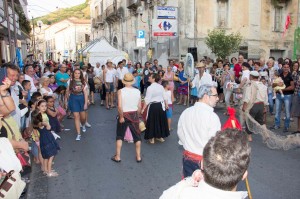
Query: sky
[{"x": 38, "y": 8}]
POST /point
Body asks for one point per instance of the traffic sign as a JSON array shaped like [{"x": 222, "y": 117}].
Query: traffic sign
[{"x": 141, "y": 34}]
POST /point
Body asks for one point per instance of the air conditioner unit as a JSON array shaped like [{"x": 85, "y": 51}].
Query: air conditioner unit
[{"x": 133, "y": 4}]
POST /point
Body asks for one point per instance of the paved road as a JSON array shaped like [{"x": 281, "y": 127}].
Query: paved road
[{"x": 86, "y": 171}]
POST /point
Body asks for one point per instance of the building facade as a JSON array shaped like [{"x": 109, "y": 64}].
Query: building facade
[
  {"x": 261, "y": 23},
  {"x": 64, "y": 38},
  {"x": 8, "y": 49}
]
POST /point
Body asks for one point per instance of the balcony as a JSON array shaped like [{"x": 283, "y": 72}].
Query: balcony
[
  {"x": 111, "y": 12},
  {"x": 133, "y": 4}
]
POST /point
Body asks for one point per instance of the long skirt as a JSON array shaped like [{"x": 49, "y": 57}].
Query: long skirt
[{"x": 157, "y": 123}]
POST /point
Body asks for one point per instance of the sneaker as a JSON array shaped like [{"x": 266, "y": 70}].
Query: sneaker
[
  {"x": 83, "y": 129},
  {"x": 286, "y": 130},
  {"x": 88, "y": 125},
  {"x": 275, "y": 127},
  {"x": 78, "y": 137},
  {"x": 292, "y": 119}
]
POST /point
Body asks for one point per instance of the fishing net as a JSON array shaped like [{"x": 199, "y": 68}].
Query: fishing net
[{"x": 271, "y": 139}]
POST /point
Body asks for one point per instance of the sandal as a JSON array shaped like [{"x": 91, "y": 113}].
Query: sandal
[
  {"x": 151, "y": 141},
  {"x": 139, "y": 161},
  {"x": 113, "y": 106},
  {"x": 70, "y": 117},
  {"x": 114, "y": 159},
  {"x": 52, "y": 174}
]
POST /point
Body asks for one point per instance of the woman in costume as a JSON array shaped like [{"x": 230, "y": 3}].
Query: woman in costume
[
  {"x": 157, "y": 124},
  {"x": 129, "y": 106}
]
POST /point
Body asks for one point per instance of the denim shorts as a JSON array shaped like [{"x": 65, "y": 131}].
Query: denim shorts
[
  {"x": 170, "y": 111},
  {"x": 110, "y": 87},
  {"x": 76, "y": 103}
]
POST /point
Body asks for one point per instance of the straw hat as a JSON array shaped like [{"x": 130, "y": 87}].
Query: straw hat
[
  {"x": 142, "y": 126},
  {"x": 200, "y": 65},
  {"x": 128, "y": 79}
]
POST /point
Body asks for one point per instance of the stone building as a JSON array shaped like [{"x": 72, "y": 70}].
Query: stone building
[{"x": 261, "y": 22}]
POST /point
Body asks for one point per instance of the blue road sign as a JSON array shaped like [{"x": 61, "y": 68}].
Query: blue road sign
[{"x": 141, "y": 34}]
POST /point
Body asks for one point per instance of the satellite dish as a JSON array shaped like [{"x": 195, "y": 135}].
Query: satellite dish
[{"x": 189, "y": 69}]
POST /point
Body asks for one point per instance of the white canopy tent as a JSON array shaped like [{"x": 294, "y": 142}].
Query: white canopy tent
[{"x": 101, "y": 51}]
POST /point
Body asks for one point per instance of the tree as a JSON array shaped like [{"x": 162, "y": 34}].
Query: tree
[{"x": 221, "y": 44}]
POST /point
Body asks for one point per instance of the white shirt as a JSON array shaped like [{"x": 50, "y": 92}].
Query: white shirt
[
  {"x": 46, "y": 74},
  {"x": 184, "y": 190},
  {"x": 130, "y": 99},
  {"x": 110, "y": 75},
  {"x": 97, "y": 71},
  {"x": 246, "y": 75},
  {"x": 33, "y": 88},
  {"x": 8, "y": 158},
  {"x": 155, "y": 93},
  {"x": 44, "y": 91},
  {"x": 122, "y": 72},
  {"x": 196, "y": 126},
  {"x": 169, "y": 96},
  {"x": 205, "y": 79}
]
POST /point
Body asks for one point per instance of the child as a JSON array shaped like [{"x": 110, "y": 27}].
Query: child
[
  {"x": 170, "y": 99},
  {"x": 42, "y": 107},
  {"x": 48, "y": 145},
  {"x": 280, "y": 85},
  {"x": 52, "y": 115},
  {"x": 27, "y": 86},
  {"x": 59, "y": 102},
  {"x": 137, "y": 79},
  {"x": 53, "y": 85}
]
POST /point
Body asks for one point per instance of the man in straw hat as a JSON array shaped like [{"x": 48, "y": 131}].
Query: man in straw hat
[
  {"x": 202, "y": 77},
  {"x": 196, "y": 126},
  {"x": 215, "y": 180},
  {"x": 129, "y": 107},
  {"x": 109, "y": 78}
]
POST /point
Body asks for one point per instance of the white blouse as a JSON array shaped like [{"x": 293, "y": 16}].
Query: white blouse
[
  {"x": 130, "y": 99},
  {"x": 155, "y": 93},
  {"x": 44, "y": 91}
]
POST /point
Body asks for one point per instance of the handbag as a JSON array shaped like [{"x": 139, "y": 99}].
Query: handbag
[
  {"x": 22, "y": 155},
  {"x": 97, "y": 80},
  {"x": 128, "y": 136},
  {"x": 12, "y": 186}
]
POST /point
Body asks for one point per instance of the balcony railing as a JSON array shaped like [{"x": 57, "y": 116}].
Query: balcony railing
[{"x": 4, "y": 24}]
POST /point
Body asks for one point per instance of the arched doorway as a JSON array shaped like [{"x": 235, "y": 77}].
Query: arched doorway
[{"x": 115, "y": 42}]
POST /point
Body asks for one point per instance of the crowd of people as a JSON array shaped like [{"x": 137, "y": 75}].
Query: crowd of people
[{"x": 36, "y": 100}]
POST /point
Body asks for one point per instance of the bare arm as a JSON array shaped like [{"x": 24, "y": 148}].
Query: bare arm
[{"x": 290, "y": 88}]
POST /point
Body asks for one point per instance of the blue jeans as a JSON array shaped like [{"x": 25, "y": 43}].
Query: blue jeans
[
  {"x": 287, "y": 100},
  {"x": 271, "y": 102}
]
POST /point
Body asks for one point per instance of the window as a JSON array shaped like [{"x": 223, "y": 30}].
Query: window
[
  {"x": 278, "y": 19},
  {"x": 96, "y": 11},
  {"x": 244, "y": 51},
  {"x": 222, "y": 20}
]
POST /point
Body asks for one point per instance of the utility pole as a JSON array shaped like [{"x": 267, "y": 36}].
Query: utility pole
[
  {"x": 15, "y": 28},
  {"x": 11, "y": 52}
]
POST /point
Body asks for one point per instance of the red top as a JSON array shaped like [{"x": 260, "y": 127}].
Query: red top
[{"x": 237, "y": 69}]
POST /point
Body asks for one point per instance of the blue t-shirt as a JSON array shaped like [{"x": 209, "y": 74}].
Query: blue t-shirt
[
  {"x": 137, "y": 83},
  {"x": 59, "y": 76}
]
